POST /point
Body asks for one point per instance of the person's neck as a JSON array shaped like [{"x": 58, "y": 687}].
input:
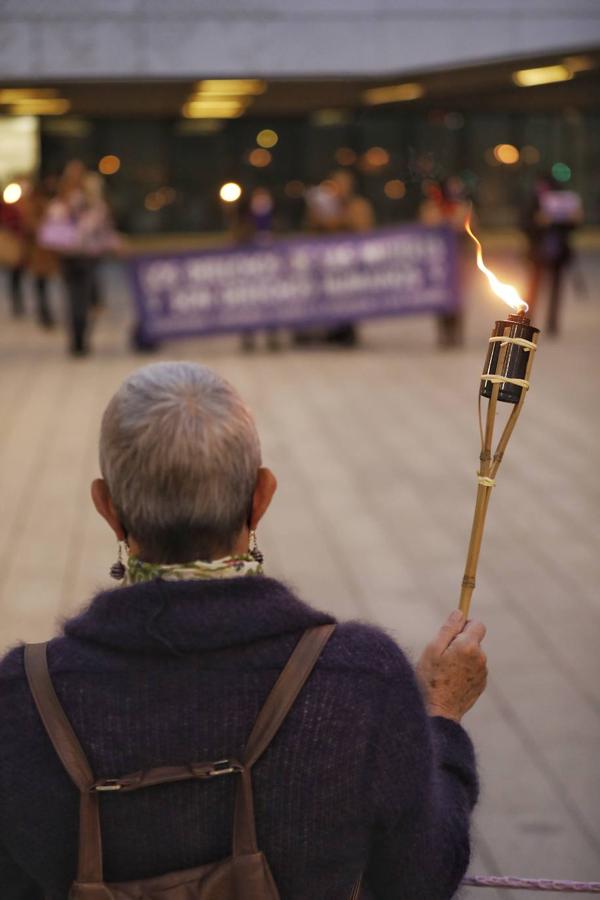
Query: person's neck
[{"x": 239, "y": 549}]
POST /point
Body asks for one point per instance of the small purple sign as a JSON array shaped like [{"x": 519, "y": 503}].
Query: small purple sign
[{"x": 300, "y": 281}]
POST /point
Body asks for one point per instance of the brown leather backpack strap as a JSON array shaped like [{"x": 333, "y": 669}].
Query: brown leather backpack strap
[
  {"x": 356, "y": 889},
  {"x": 70, "y": 753},
  {"x": 277, "y": 706}
]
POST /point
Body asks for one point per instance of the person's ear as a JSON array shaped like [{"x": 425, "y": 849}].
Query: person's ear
[
  {"x": 106, "y": 508},
  {"x": 266, "y": 485}
]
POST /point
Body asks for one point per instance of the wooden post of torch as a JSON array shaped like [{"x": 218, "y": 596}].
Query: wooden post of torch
[{"x": 508, "y": 367}]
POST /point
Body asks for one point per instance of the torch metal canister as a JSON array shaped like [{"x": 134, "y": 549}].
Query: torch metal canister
[{"x": 508, "y": 360}]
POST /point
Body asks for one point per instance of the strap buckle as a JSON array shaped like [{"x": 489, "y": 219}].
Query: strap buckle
[
  {"x": 109, "y": 784},
  {"x": 224, "y": 767}
]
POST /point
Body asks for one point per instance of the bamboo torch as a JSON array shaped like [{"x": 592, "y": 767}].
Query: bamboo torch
[{"x": 505, "y": 379}]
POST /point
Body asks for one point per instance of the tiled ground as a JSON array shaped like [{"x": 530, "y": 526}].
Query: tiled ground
[{"x": 376, "y": 452}]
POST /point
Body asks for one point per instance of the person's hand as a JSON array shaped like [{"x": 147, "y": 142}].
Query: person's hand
[{"x": 453, "y": 668}]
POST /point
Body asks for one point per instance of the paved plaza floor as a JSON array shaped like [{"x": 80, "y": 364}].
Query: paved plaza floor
[{"x": 376, "y": 451}]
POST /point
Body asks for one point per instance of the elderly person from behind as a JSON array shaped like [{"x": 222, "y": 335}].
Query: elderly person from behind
[{"x": 362, "y": 776}]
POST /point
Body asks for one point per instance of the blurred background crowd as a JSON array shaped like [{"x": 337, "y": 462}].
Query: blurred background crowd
[{"x": 91, "y": 170}]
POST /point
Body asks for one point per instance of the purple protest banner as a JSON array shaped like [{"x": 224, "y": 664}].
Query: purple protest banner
[{"x": 300, "y": 281}]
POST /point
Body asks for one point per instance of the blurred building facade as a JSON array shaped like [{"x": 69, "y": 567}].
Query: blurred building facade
[{"x": 169, "y": 99}]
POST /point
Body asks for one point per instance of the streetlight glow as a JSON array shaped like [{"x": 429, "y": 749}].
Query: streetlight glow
[
  {"x": 230, "y": 192},
  {"x": 12, "y": 192}
]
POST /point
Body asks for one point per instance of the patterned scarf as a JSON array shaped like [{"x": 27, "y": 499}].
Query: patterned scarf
[{"x": 228, "y": 567}]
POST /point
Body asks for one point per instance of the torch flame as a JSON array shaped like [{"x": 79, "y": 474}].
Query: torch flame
[{"x": 506, "y": 292}]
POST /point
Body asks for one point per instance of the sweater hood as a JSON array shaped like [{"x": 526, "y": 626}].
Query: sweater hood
[{"x": 190, "y": 616}]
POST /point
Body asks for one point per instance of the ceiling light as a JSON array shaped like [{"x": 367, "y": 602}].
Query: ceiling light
[
  {"x": 231, "y": 86},
  {"x": 542, "y": 75},
  {"x": 16, "y": 95},
  {"x": 216, "y": 101},
  {"x": 40, "y": 107},
  {"x": 212, "y": 111},
  {"x": 393, "y": 93}
]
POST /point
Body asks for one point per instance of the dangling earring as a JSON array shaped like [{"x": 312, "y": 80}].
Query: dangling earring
[
  {"x": 117, "y": 570},
  {"x": 253, "y": 550}
]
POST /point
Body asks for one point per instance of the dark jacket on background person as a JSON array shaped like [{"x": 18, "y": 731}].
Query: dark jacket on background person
[{"x": 168, "y": 673}]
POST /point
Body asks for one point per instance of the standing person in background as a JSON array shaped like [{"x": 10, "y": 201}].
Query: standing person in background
[
  {"x": 332, "y": 207},
  {"x": 549, "y": 222},
  {"x": 253, "y": 225},
  {"x": 13, "y": 226},
  {"x": 251, "y": 219},
  {"x": 93, "y": 186},
  {"x": 77, "y": 226},
  {"x": 41, "y": 262},
  {"x": 447, "y": 204},
  {"x": 262, "y": 213}
]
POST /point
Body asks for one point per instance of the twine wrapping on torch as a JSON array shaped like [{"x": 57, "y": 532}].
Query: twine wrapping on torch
[
  {"x": 532, "y": 884},
  {"x": 485, "y": 481},
  {"x": 502, "y": 379},
  {"x": 520, "y": 342}
]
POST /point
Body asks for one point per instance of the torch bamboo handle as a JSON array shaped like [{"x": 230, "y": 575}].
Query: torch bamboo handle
[
  {"x": 468, "y": 584},
  {"x": 465, "y": 599},
  {"x": 490, "y": 460}
]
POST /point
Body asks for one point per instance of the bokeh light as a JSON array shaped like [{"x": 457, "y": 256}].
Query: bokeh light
[
  {"x": 267, "y": 138},
  {"x": 561, "y": 171},
  {"x": 152, "y": 201},
  {"x": 166, "y": 195},
  {"x": 530, "y": 155},
  {"x": 345, "y": 156},
  {"x": 507, "y": 154},
  {"x": 375, "y": 158},
  {"x": 395, "y": 189},
  {"x": 109, "y": 164},
  {"x": 230, "y": 192},
  {"x": 12, "y": 192},
  {"x": 259, "y": 158}
]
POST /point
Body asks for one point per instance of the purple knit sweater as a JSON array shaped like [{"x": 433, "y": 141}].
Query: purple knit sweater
[{"x": 359, "y": 779}]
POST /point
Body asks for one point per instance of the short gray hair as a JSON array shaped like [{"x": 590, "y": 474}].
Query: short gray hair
[{"x": 180, "y": 454}]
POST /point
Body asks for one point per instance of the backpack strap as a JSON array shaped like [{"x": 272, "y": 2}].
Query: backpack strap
[
  {"x": 69, "y": 750},
  {"x": 277, "y": 706},
  {"x": 70, "y": 753}
]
